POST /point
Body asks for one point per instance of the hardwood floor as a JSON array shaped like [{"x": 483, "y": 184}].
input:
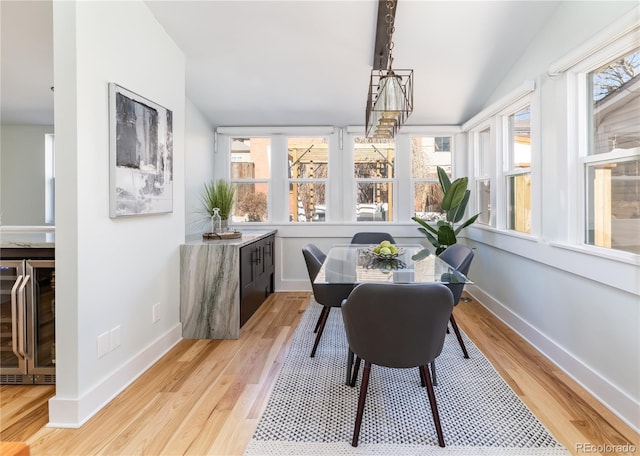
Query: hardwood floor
[{"x": 206, "y": 396}]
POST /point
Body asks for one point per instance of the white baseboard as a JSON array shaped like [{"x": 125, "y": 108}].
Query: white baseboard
[
  {"x": 73, "y": 413},
  {"x": 621, "y": 404}
]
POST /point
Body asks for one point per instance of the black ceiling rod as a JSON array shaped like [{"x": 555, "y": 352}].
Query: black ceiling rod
[{"x": 381, "y": 47}]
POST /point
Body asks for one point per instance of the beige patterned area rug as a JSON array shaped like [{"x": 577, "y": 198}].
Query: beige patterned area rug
[{"x": 311, "y": 411}]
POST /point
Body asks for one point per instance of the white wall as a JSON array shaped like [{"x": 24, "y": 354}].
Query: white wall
[
  {"x": 110, "y": 272},
  {"x": 578, "y": 306},
  {"x": 198, "y": 167},
  {"x": 22, "y": 177}
]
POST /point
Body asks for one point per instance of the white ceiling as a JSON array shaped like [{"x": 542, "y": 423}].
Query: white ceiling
[{"x": 304, "y": 62}]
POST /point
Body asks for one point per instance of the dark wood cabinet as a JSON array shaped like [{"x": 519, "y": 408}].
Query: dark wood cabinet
[{"x": 256, "y": 275}]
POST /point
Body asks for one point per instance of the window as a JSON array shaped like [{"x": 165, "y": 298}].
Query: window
[
  {"x": 250, "y": 173},
  {"x": 427, "y": 153},
  {"x": 374, "y": 172},
  {"x": 308, "y": 172},
  {"x": 518, "y": 170},
  {"x": 612, "y": 164},
  {"x": 483, "y": 175},
  {"x": 49, "y": 179}
]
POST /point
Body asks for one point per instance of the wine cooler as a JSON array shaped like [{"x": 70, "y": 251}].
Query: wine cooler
[{"x": 27, "y": 321}]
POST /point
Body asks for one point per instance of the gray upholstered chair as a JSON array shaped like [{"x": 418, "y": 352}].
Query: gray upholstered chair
[
  {"x": 329, "y": 295},
  {"x": 459, "y": 257},
  {"x": 371, "y": 238},
  {"x": 397, "y": 326}
]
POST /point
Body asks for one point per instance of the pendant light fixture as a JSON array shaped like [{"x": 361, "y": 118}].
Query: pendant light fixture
[{"x": 390, "y": 97}]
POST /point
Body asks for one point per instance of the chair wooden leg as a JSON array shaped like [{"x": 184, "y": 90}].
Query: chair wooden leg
[
  {"x": 459, "y": 336},
  {"x": 325, "y": 316},
  {"x": 356, "y": 368},
  {"x": 350, "y": 357},
  {"x": 361, "y": 399},
  {"x": 324, "y": 310},
  {"x": 434, "y": 407},
  {"x": 422, "y": 381},
  {"x": 434, "y": 379}
]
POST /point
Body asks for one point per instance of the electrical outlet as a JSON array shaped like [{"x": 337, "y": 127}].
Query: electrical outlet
[
  {"x": 103, "y": 344},
  {"x": 114, "y": 338},
  {"x": 156, "y": 312}
]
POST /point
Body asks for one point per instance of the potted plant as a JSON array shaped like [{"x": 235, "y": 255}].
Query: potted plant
[
  {"x": 454, "y": 203},
  {"x": 218, "y": 195}
]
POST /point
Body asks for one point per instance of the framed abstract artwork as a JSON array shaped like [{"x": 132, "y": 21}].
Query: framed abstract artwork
[{"x": 141, "y": 155}]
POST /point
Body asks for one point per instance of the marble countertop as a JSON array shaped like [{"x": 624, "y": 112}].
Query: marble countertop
[
  {"x": 248, "y": 236},
  {"x": 27, "y": 239}
]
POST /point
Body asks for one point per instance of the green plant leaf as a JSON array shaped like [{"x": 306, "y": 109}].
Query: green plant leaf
[
  {"x": 218, "y": 194},
  {"x": 456, "y": 214},
  {"x": 425, "y": 224},
  {"x": 467, "y": 223},
  {"x": 430, "y": 237},
  {"x": 421, "y": 255},
  {"x": 454, "y": 196},
  {"x": 445, "y": 183},
  {"x": 446, "y": 236}
]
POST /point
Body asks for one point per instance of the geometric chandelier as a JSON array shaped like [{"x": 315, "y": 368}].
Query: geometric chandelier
[{"x": 390, "y": 97}]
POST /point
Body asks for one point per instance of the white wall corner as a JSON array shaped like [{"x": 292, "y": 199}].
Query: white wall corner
[
  {"x": 621, "y": 404},
  {"x": 73, "y": 413}
]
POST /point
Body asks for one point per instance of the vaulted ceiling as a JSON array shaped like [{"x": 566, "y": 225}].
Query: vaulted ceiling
[{"x": 298, "y": 62}]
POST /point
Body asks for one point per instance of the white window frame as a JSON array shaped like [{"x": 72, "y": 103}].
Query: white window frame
[
  {"x": 432, "y": 180},
  {"x": 508, "y": 170},
  {"x": 490, "y": 118},
  {"x": 479, "y": 175},
  {"x": 325, "y": 181},
  {"x": 619, "y": 39},
  {"x": 352, "y": 214},
  {"x": 49, "y": 178},
  {"x": 277, "y": 199}
]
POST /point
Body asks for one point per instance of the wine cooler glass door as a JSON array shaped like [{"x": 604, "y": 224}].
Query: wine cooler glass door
[
  {"x": 13, "y": 364},
  {"x": 41, "y": 314}
]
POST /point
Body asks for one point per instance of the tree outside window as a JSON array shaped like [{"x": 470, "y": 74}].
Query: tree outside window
[
  {"x": 612, "y": 167},
  {"x": 427, "y": 153},
  {"x": 250, "y": 174},
  {"x": 374, "y": 171},
  {"x": 308, "y": 172}
]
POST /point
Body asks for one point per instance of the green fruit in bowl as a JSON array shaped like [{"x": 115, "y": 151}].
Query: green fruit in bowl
[
  {"x": 393, "y": 249},
  {"x": 385, "y": 251},
  {"x": 385, "y": 244}
]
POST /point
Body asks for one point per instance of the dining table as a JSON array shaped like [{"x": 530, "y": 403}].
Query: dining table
[{"x": 359, "y": 263}]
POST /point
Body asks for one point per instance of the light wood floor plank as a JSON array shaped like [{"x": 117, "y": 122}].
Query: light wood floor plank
[{"x": 206, "y": 396}]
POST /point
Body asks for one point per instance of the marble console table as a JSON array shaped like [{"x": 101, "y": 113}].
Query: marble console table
[
  {"x": 27, "y": 239},
  {"x": 210, "y": 286}
]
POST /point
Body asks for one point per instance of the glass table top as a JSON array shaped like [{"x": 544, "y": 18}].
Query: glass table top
[{"x": 356, "y": 263}]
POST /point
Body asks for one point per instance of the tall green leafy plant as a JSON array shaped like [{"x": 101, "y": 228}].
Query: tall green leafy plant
[
  {"x": 454, "y": 203},
  {"x": 218, "y": 194}
]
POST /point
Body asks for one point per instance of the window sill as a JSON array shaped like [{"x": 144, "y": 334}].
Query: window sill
[{"x": 608, "y": 254}]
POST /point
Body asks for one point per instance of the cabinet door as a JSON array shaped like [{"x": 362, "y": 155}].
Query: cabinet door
[
  {"x": 269, "y": 245},
  {"x": 247, "y": 269},
  {"x": 41, "y": 317},
  {"x": 250, "y": 294},
  {"x": 12, "y": 365}
]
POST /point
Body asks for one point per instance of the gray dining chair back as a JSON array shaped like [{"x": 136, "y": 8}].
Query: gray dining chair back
[
  {"x": 328, "y": 295},
  {"x": 459, "y": 257},
  {"x": 397, "y": 326},
  {"x": 313, "y": 257},
  {"x": 365, "y": 237}
]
